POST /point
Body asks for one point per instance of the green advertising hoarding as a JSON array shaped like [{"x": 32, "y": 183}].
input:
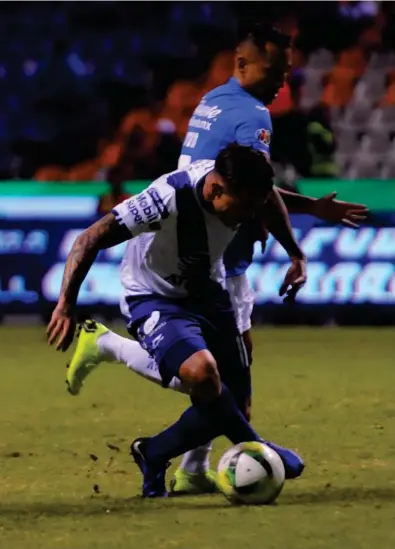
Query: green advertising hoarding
[{"x": 376, "y": 194}]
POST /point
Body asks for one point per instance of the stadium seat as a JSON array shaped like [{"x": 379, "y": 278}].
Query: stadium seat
[
  {"x": 369, "y": 89},
  {"x": 388, "y": 98},
  {"x": 298, "y": 59},
  {"x": 283, "y": 103},
  {"x": 84, "y": 171},
  {"x": 355, "y": 117},
  {"x": 340, "y": 87},
  {"x": 364, "y": 166},
  {"x": 382, "y": 61},
  {"x": 336, "y": 116},
  {"x": 343, "y": 162},
  {"x": 354, "y": 59},
  {"x": 110, "y": 154},
  {"x": 312, "y": 88},
  {"x": 347, "y": 141},
  {"x": 182, "y": 96},
  {"x": 382, "y": 118},
  {"x": 50, "y": 173},
  {"x": 220, "y": 70},
  {"x": 321, "y": 60},
  {"x": 181, "y": 100},
  {"x": 375, "y": 142},
  {"x": 142, "y": 118},
  {"x": 388, "y": 169},
  {"x": 391, "y": 150}
]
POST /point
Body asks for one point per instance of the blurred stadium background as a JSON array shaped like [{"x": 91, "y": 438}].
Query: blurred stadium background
[{"x": 96, "y": 98}]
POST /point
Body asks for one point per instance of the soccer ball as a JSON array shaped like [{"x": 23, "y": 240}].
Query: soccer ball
[{"x": 250, "y": 473}]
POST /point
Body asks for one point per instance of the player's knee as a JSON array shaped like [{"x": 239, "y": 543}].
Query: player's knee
[{"x": 201, "y": 374}]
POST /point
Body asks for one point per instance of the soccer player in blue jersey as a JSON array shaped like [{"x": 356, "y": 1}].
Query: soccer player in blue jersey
[
  {"x": 237, "y": 112},
  {"x": 175, "y": 298}
]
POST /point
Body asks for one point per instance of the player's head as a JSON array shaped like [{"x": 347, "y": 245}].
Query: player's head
[
  {"x": 240, "y": 183},
  {"x": 263, "y": 60}
]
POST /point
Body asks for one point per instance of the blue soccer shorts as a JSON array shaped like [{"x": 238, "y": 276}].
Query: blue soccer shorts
[{"x": 173, "y": 330}]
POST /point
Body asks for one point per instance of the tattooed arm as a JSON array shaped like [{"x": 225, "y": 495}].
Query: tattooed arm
[{"x": 105, "y": 233}]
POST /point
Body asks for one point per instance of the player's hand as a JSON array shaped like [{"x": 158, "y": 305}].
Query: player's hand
[
  {"x": 61, "y": 328},
  {"x": 337, "y": 211},
  {"x": 294, "y": 280}
]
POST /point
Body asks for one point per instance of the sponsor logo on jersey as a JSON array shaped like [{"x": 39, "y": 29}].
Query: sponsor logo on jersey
[
  {"x": 157, "y": 200},
  {"x": 263, "y": 136},
  {"x": 156, "y": 341},
  {"x": 201, "y": 124},
  {"x": 157, "y": 328},
  {"x": 151, "y": 322},
  {"x": 205, "y": 111},
  {"x": 148, "y": 208}
]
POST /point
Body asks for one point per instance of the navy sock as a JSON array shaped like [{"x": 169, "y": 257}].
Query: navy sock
[{"x": 199, "y": 424}]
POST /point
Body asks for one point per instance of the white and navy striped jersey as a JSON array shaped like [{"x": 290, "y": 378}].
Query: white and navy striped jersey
[{"x": 178, "y": 242}]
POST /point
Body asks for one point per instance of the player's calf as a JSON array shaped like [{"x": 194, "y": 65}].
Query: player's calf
[{"x": 200, "y": 373}]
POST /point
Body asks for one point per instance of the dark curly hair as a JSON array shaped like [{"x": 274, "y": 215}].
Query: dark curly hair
[
  {"x": 245, "y": 170},
  {"x": 261, "y": 33}
]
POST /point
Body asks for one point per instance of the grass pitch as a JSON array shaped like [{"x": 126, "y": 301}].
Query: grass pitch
[{"x": 327, "y": 392}]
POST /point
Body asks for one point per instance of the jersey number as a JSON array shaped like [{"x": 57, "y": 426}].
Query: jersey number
[{"x": 191, "y": 140}]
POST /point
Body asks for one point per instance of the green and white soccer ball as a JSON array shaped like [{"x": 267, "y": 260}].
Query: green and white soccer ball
[{"x": 250, "y": 473}]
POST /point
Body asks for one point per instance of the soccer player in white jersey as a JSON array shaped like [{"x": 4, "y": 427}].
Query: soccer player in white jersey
[
  {"x": 233, "y": 112},
  {"x": 175, "y": 299}
]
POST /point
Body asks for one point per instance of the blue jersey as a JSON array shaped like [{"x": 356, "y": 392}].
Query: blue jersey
[{"x": 225, "y": 115}]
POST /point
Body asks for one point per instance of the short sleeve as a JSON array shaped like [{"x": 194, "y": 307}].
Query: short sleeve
[
  {"x": 255, "y": 130},
  {"x": 148, "y": 210}
]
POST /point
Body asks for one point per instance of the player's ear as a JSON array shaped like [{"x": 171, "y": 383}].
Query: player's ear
[
  {"x": 241, "y": 63},
  {"x": 216, "y": 191}
]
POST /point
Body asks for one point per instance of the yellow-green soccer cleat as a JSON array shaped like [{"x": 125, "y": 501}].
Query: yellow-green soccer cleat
[
  {"x": 87, "y": 355},
  {"x": 184, "y": 483}
]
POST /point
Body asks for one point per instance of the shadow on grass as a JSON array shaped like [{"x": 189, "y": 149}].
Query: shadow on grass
[
  {"x": 333, "y": 494},
  {"x": 103, "y": 505}
]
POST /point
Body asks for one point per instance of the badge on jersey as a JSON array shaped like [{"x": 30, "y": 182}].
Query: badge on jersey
[{"x": 264, "y": 136}]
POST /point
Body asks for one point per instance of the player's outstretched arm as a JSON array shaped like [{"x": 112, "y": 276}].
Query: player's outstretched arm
[
  {"x": 326, "y": 208},
  {"x": 279, "y": 225},
  {"x": 105, "y": 233}
]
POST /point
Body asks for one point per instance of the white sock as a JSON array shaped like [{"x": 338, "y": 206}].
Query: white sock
[
  {"x": 136, "y": 359},
  {"x": 197, "y": 460}
]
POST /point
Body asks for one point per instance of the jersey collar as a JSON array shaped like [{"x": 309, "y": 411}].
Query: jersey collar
[{"x": 234, "y": 83}]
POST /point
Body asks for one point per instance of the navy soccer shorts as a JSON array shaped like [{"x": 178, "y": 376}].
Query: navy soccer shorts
[{"x": 173, "y": 330}]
